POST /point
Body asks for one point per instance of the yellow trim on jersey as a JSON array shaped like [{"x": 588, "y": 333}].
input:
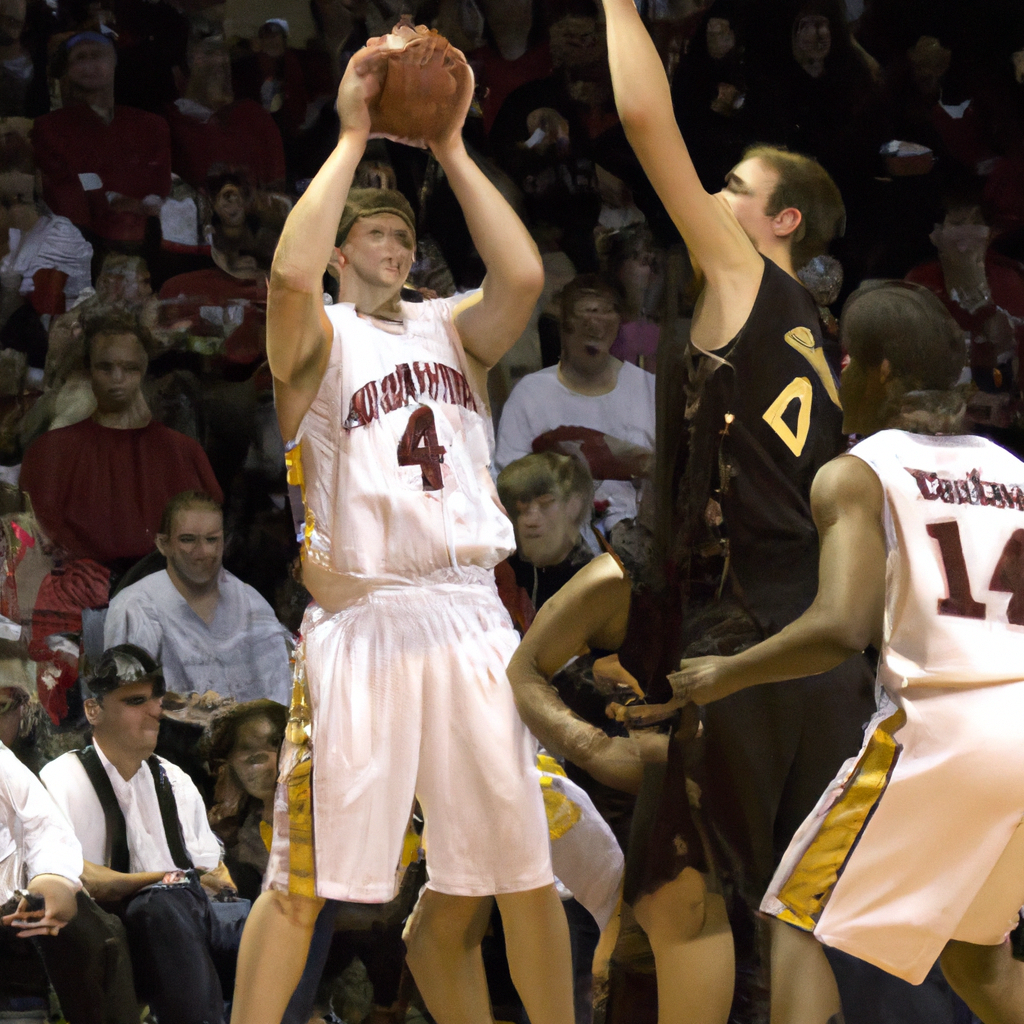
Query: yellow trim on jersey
[
  {"x": 296, "y": 478},
  {"x": 562, "y": 813},
  {"x": 801, "y": 340},
  {"x": 811, "y": 882},
  {"x": 798, "y": 388}
]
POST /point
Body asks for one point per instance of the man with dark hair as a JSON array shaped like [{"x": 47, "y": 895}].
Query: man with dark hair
[
  {"x": 106, "y": 168},
  {"x": 149, "y": 850},
  {"x": 98, "y": 488},
  {"x": 209, "y": 126},
  {"x": 208, "y": 629},
  {"x": 591, "y": 405},
  {"x": 117, "y": 466},
  {"x": 920, "y": 557},
  {"x": 745, "y": 434}
]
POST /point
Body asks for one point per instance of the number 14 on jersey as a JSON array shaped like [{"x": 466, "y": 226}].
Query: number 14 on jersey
[{"x": 1008, "y": 577}]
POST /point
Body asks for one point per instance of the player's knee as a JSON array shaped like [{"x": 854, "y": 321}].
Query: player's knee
[
  {"x": 675, "y": 912},
  {"x": 297, "y": 911},
  {"x": 969, "y": 967},
  {"x": 440, "y": 924}
]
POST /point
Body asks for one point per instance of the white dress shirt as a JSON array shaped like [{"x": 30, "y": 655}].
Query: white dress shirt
[
  {"x": 69, "y": 785},
  {"x": 35, "y": 839}
]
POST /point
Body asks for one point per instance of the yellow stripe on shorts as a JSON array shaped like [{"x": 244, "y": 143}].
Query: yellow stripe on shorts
[
  {"x": 811, "y": 882},
  {"x": 301, "y": 864}
]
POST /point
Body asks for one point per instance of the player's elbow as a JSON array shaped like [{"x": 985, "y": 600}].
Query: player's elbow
[
  {"x": 525, "y": 280},
  {"x": 291, "y": 275}
]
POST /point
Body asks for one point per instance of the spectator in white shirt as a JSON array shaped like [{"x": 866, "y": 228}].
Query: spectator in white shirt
[
  {"x": 208, "y": 629},
  {"x": 83, "y": 949},
  {"x": 591, "y": 405},
  {"x": 146, "y": 841}
]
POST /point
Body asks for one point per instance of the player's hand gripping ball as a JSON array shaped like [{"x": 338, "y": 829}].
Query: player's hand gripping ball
[{"x": 428, "y": 86}]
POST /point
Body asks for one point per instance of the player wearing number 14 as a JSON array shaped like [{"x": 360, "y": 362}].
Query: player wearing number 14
[{"x": 916, "y": 851}]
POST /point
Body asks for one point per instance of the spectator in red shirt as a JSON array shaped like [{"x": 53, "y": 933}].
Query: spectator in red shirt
[
  {"x": 222, "y": 310},
  {"x": 984, "y": 291},
  {"x": 209, "y": 126},
  {"x": 104, "y": 167},
  {"x": 99, "y": 487}
]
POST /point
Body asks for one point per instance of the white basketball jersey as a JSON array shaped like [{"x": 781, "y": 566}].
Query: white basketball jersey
[
  {"x": 954, "y": 521},
  {"x": 395, "y": 451}
]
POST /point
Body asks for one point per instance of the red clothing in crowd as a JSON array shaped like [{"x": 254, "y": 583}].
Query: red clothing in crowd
[
  {"x": 241, "y": 135},
  {"x": 82, "y": 158},
  {"x": 99, "y": 492},
  {"x": 218, "y": 305},
  {"x": 1006, "y": 282}
]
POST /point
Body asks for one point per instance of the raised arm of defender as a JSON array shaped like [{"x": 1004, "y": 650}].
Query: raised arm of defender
[
  {"x": 712, "y": 234},
  {"x": 846, "y": 615}
]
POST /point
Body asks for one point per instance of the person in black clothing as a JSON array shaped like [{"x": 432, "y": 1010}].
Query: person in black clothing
[
  {"x": 549, "y": 498},
  {"x": 740, "y": 542},
  {"x": 150, "y": 856}
]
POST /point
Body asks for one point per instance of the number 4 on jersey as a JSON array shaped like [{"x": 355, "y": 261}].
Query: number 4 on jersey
[
  {"x": 419, "y": 447},
  {"x": 1008, "y": 577}
]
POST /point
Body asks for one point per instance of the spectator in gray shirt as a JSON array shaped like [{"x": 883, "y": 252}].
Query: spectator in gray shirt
[{"x": 208, "y": 629}]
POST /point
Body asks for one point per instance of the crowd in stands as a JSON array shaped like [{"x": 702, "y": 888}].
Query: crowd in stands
[{"x": 150, "y": 151}]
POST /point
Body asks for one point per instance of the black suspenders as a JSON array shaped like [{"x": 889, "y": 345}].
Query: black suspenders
[{"x": 117, "y": 833}]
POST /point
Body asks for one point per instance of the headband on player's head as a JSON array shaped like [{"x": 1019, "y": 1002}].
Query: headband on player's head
[{"x": 367, "y": 202}]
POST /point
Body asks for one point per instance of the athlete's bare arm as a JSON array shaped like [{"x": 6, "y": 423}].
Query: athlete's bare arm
[
  {"x": 846, "y": 615},
  {"x": 490, "y": 322},
  {"x": 713, "y": 235},
  {"x": 298, "y": 331},
  {"x": 589, "y": 611}
]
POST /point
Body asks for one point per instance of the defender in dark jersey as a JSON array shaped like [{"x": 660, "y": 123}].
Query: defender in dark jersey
[{"x": 764, "y": 415}]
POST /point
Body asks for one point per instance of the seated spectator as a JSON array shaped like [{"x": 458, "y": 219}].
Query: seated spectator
[
  {"x": 148, "y": 849},
  {"x": 550, "y": 133},
  {"x": 46, "y": 261},
  {"x": 209, "y": 126},
  {"x": 117, "y": 467},
  {"x": 23, "y": 86},
  {"x": 242, "y": 754},
  {"x": 208, "y": 629},
  {"x": 82, "y": 947},
  {"x": 634, "y": 261},
  {"x": 984, "y": 291},
  {"x": 106, "y": 168},
  {"x": 272, "y": 75},
  {"x": 222, "y": 310},
  {"x": 123, "y": 283},
  {"x": 709, "y": 92},
  {"x": 591, "y": 405},
  {"x": 549, "y": 498}
]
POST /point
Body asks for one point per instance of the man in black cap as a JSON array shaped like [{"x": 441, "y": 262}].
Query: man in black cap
[{"x": 150, "y": 854}]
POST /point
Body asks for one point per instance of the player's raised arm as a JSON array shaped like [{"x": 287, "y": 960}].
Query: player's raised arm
[
  {"x": 489, "y": 323},
  {"x": 846, "y": 615},
  {"x": 298, "y": 331},
  {"x": 712, "y": 234}
]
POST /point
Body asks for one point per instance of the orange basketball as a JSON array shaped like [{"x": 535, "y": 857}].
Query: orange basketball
[{"x": 424, "y": 81}]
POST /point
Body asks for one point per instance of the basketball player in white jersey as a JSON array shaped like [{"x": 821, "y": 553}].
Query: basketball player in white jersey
[
  {"x": 406, "y": 644},
  {"x": 916, "y": 851}
]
